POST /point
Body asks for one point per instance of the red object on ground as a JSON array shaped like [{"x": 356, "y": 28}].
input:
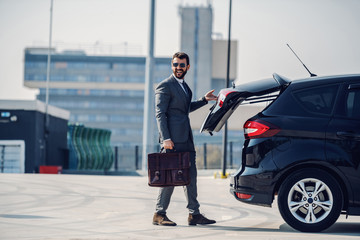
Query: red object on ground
[{"x": 50, "y": 169}]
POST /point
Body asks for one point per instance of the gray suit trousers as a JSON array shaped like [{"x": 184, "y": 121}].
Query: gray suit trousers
[{"x": 163, "y": 199}]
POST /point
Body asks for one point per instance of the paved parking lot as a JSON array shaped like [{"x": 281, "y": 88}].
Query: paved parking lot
[{"x": 40, "y": 206}]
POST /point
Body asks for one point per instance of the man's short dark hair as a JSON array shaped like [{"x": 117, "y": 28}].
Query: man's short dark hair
[{"x": 182, "y": 55}]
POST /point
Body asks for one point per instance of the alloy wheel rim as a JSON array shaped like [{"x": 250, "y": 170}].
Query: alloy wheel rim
[{"x": 310, "y": 200}]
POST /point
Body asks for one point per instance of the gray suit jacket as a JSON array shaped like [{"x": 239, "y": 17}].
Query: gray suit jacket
[{"x": 172, "y": 108}]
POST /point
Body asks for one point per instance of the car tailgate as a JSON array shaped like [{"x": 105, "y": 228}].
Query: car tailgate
[{"x": 230, "y": 98}]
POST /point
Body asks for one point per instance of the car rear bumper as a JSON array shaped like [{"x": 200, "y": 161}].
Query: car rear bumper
[{"x": 262, "y": 197}]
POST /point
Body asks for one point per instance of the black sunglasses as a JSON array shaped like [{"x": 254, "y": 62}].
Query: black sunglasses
[{"x": 182, "y": 65}]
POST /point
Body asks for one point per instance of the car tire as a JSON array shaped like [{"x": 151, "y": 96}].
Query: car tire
[{"x": 310, "y": 200}]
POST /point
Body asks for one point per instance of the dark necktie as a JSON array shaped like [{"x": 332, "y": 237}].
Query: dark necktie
[{"x": 184, "y": 87}]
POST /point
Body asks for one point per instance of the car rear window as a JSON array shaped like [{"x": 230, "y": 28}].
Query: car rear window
[
  {"x": 353, "y": 104},
  {"x": 305, "y": 102},
  {"x": 317, "y": 100}
]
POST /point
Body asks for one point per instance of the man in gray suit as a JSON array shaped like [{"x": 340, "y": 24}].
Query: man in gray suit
[{"x": 173, "y": 104}]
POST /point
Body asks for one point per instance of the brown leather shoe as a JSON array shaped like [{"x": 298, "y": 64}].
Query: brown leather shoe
[
  {"x": 162, "y": 219},
  {"x": 199, "y": 219}
]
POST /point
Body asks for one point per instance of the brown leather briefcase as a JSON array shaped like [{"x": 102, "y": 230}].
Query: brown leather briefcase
[{"x": 169, "y": 169}]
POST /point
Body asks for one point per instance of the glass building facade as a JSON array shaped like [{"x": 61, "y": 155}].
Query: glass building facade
[{"x": 99, "y": 91}]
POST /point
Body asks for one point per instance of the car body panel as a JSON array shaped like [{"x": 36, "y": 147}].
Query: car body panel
[
  {"x": 343, "y": 137},
  {"x": 346, "y": 148}
]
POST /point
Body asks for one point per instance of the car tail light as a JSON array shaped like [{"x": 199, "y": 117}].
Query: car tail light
[
  {"x": 259, "y": 129},
  {"x": 243, "y": 195},
  {"x": 222, "y": 96}
]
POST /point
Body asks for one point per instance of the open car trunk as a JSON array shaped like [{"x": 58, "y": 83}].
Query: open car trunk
[{"x": 230, "y": 98}]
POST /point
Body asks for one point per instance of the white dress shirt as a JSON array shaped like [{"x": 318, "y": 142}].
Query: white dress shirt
[{"x": 180, "y": 81}]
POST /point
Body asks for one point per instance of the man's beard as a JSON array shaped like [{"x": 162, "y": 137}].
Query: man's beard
[{"x": 182, "y": 75}]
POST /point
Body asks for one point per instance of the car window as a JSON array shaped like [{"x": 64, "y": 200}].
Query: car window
[
  {"x": 317, "y": 100},
  {"x": 353, "y": 104}
]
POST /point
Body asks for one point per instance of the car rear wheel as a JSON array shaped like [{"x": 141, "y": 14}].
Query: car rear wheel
[{"x": 310, "y": 200}]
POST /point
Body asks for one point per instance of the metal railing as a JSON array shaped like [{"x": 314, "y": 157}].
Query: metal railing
[{"x": 208, "y": 156}]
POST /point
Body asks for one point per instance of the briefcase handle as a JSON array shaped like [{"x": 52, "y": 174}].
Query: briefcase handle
[
  {"x": 163, "y": 150},
  {"x": 170, "y": 151}
]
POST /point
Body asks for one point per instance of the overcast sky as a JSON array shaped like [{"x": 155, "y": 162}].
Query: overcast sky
[{"x": 324, "y": 33}]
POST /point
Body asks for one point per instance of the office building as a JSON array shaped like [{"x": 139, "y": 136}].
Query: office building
[
  {"x": 208, "y": 56},
  {"x": 99, "y": 91}
]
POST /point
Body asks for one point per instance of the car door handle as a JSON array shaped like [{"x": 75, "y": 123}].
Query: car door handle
[{"x": 348, "y": 135}]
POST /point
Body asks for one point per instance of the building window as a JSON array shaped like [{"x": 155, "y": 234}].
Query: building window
[{"x": 60, "y": 65}]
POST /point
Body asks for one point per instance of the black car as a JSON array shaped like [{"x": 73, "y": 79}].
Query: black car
[{"x": 303, "y": 147}]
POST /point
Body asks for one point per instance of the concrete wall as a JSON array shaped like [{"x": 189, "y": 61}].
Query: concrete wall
[
  {"x": 196, "y": 30},
  {"x": 219, "y": 60}
]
